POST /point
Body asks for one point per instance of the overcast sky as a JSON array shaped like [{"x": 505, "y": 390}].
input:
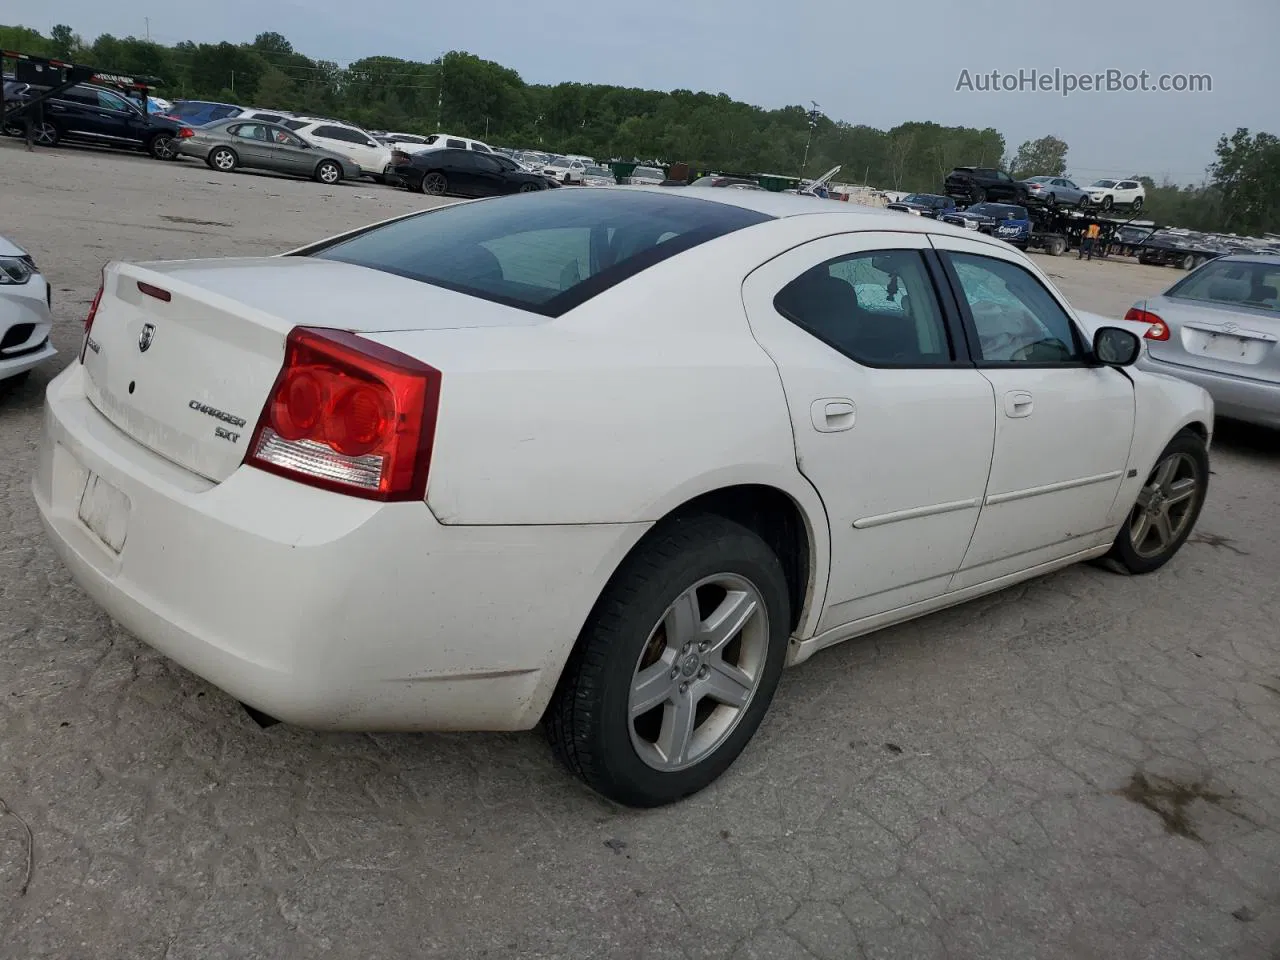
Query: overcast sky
[{"x": 898, "y": 61}]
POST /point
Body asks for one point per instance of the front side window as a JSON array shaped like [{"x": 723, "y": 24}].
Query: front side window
[
  {"x": 1015, "y": 318},
  {"x": 879, "y": 309},
  {"x": 546, "y": 251}
]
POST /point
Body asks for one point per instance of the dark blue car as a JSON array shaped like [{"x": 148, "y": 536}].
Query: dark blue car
[
  {"x": 199, "y": 112},
  {"x": 1004, "y": 221}
]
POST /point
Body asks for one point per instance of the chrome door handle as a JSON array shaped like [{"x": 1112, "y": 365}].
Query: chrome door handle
[{"x": 832, "y": 414}]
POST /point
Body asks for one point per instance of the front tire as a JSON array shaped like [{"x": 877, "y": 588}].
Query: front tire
[
  {"x": 1167, "y": 507},
  {"x": 1108, "y": 202},
  {"x": 1137, "y": 204},
  {"x": 676, "y": 665},
  {"x": 44, "y": 134},
  {"x": 529, "y": 187},
  {"x": 977, "y": 195}
]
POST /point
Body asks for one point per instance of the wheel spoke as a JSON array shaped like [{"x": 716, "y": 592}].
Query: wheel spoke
[
  {"x": 1181, "y": 490},
  {"x": 1164, "y": 473},
  {"x": 1164, "y": 531},
  {"x": 1138, "y": 532},
  {"x": 677, "y": 730},
  {"x": 727, "y": 684},
  {"x": 683, "y": 620},
  {"x": 727, "y": 621},
  {"x": 652, "y": 686}
]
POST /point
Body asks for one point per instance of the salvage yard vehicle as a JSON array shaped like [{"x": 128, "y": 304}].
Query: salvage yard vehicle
[
  {"x": 26, "y": 316},
  {"x": 1052, "y": 191},
  {"x": 923, "y": 205},
  {"x": 373, "y": 158},
  {"x": 228, "y": 145},
  {"x": 604, "y": 460},
  {"x": 976, "y": 184},
  {"x": 95, "y": 115},
  {"x": 1219, "y": 327},
  {"x": 1109, "y": 194},
  {"x": 1005, "y": 221},
  {"x": 466, "y": 173}
]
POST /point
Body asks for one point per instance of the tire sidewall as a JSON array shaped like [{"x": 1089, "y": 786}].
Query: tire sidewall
[
  {"x": 220, "y": 150},
  {"x": 328, "y": 165},
  {"x": 736, "y": 550},
  {"x": 1122, "y": 549}
]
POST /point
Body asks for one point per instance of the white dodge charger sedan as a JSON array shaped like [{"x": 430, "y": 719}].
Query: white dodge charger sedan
[{"x": 605, "y": 462}]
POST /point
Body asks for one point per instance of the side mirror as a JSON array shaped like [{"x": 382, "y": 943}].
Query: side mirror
[{"x": 1115, "y": 346}]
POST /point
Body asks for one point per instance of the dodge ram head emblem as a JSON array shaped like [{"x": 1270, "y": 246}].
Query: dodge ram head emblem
[{"x": 146, "y": 336}]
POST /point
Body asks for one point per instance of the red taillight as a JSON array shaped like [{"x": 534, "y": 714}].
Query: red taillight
[
  {"x": 1158, "y": 330},
  {"x": 349, "y": 415},
  {"x": 186, "y": 132},
  {"x": 88, "y": 320},
  {"x": 153, "y": 291}
]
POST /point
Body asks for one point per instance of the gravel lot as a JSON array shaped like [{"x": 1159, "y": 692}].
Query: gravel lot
[{"x": 1087, "y": 766}]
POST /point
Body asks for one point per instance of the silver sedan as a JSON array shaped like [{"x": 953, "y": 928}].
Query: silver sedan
[
  {"x": 232, "y": 144},
  {"x": 1056, "y": 190},
  {"x": 1219, "y": 327}
]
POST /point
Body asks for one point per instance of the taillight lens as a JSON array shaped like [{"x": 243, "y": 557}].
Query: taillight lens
[
  {"x": 349, "y": 415},
  {"x": 1158, "y": 329},
  {"x": 186, "y": 132},
  {"x": 88, "y": 320}
]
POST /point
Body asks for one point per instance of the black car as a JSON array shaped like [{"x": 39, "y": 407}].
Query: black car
[
  {"x": 466, "y": 173},
  {"x": 975, "y": 184},
  {"x": 924, "y": 205},
  {"x": 93, "y": 114}
]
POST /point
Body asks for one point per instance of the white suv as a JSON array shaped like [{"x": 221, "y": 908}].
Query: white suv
[
  {"x": 359, "y": 147},
  {"x": 411, "y": 143},
  {"x": 1117, "y": 193}
]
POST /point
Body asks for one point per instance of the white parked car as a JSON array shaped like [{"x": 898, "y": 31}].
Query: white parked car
[
  {"x": 606, "y": 460},
  {"x": 25, "y": 315},
  {"x": 1109, "y": 194},
  {"x": 373, "y": 158},
  {"x": 565, "y": 169},
  {"x": 409, "y": 143}
]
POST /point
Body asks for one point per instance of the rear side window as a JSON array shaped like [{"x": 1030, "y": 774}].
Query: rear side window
[
  {"x": 456, "y": 144},
  {"x": 545, "y": 252},
  {"x": 480, "y": 148},
  {"x": 297, "y": 124},
  {"x": 1233, "y": 282}
]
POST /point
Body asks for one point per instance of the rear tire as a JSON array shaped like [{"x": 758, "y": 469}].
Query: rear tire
[
  {"x": 435, "y": 184},
  {"x": 328, "y": 172},
  {"x": 162, "y": 147},
  {"x": 637, "y": 648},
  {"x": 1056, "y": 247},
  {"x": 1188, "y": 262},
  {"x": 1167, "y": 507},
  {"x": 223, "y": 159},
  {"x": 977, "y": 195},
  {"x": 1137, "y": 204},
  {"x": 529, "y": 187}
]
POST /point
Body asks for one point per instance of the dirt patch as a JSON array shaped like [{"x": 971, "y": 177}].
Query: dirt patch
[
  {"x": 1170, "y": 800},
  {"x": 193, "y": 221}
]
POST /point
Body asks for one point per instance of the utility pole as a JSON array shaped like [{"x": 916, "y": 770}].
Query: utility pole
[
  {"x": 440, "y": 95},
  {"x": 813, "y": 122},
  {"x": 147, "y": 21}
]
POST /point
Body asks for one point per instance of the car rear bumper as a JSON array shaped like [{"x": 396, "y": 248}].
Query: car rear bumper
[
  {"x": 318, "y": 609},
  {"x": 1236, "y": 398}
]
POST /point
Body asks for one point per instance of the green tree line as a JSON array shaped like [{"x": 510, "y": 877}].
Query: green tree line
[{"x": 467, "y": 95}]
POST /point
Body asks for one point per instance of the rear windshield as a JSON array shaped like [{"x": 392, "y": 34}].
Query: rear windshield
[
  {"x": 1247, "y": 283},
  {"x": 547, "y": 251}
]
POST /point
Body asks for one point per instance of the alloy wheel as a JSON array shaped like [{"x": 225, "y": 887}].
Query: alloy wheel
[
  {"x": 45, "y": 134},
  {"x": 1165, "y": 506},
  {"x": 698, "y": 672}
]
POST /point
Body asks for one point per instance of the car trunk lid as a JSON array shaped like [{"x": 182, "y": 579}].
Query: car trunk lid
[
  {"x": 182, "y": 356},
  {"x": 1229, "y": 339}
]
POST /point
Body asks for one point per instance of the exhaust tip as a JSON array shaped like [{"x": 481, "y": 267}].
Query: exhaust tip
[{"x": 258, "y": 717}]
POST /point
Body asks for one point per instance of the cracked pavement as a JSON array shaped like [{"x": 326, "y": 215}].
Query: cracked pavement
[{"x": 1085, "y": 766}]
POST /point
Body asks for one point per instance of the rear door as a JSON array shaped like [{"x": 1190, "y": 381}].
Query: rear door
[
  {"x": 1224, "y": 317},
  {"x": 251, "y": 144},
  {"x": 1064, "y": 427},
  {"x": 892, "y": 426}
]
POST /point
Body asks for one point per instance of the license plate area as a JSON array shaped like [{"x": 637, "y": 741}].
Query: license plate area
[
  {"x": 104, "y": 509},
  {"x": 1224, "y": 346}
]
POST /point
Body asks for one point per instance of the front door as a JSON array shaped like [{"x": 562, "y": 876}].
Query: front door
[
  {"x": 892, "y": 427},
  {"x": 1064, "y": 426}
]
